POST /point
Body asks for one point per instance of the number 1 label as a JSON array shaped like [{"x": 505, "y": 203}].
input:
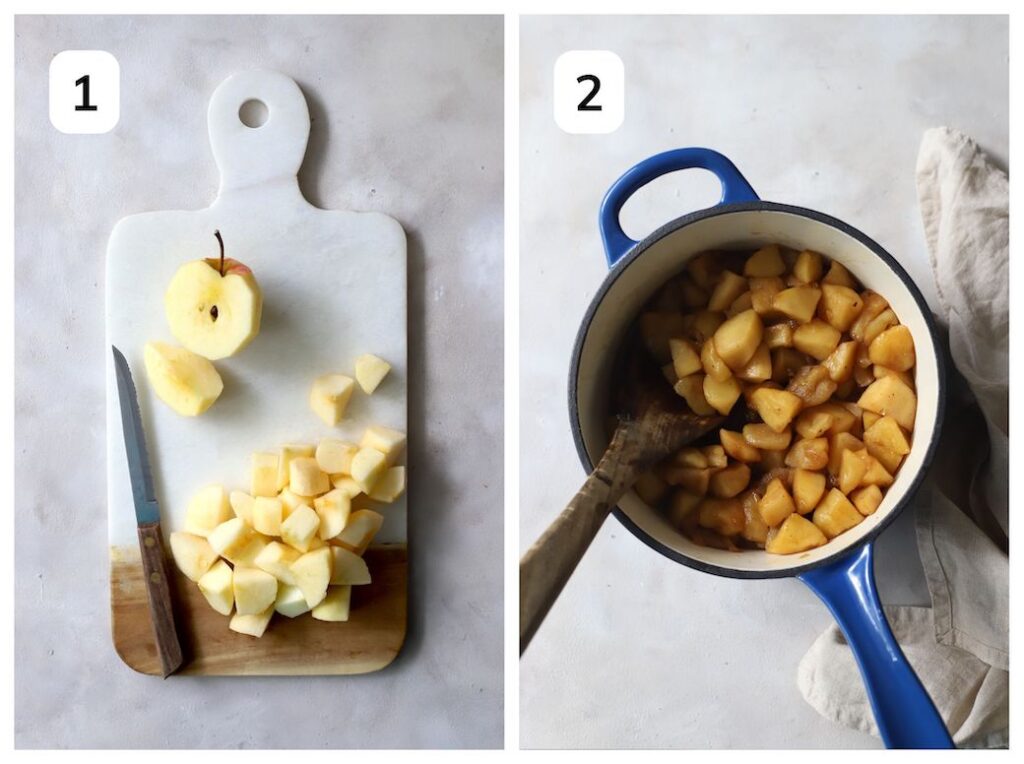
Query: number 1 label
[
  {"x": 85, "y": 91},
  {"x": 589, "y": 91}
]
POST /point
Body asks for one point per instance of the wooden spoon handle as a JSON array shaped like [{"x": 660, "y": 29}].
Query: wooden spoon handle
[
  {"x": 161, "y": 612},
  {"x": 547, "y": 565}
]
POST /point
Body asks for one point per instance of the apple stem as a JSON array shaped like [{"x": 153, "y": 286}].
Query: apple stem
[{"x": 221, "y": 242}]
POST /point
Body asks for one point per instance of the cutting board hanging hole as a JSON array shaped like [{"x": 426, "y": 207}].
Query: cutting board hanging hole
[{"x": 253, "y": 113}]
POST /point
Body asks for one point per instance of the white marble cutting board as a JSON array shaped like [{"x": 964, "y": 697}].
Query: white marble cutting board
[{"x": 334, "y": 287}]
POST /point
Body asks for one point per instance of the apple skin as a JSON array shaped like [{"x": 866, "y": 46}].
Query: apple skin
[{"x": 230, "y": 266}]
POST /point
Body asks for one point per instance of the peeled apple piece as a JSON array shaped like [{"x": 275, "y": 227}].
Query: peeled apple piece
[
  {"x": 186, "y": 382},
  {"x": 335, "y": 605},
  {"x": 192, "y": 554},
  {"x": 217, "y": 586},
  {"x": 207, "y": 509},
  {"x": 252, "y": 625},
  {"x": 390, "y": 486},
  {"x": 370, "y": 372},
  {"x": 330, "y": 396},
  {"x": 214, "y": 306}
]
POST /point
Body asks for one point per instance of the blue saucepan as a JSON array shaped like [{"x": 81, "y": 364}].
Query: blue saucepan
[{"x": 840, "y": 572}]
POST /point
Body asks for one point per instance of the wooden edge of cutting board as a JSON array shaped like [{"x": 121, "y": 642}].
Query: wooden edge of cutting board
[{"x": 368, "y": 641}]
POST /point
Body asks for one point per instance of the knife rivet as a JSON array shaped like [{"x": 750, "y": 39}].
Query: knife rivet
[
  {"x": 149, "y": 542},
  {"x": 154, "y": 577}
]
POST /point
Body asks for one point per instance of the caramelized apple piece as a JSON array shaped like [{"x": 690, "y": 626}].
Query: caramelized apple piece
[{"x": 836, "y": 514}]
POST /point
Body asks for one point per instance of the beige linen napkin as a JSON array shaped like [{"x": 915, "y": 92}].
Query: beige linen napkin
[{"x": 960, "y": 646}]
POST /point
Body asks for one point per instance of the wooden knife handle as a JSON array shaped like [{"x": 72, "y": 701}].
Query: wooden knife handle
[
  {"x": 548, "y": 564},
  {"x": 158, "y": 587}
]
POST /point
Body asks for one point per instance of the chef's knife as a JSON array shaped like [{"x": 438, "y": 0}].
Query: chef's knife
[{"x": 147, "y": 515}]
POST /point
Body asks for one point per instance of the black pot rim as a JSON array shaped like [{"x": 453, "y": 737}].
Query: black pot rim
[{"x": 725, "y": 209}]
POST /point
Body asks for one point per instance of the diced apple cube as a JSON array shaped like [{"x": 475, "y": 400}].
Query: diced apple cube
[
  {"x": 813, "y": 422},
  {"x": 758, "y": 368},
  {"x": 796, "y": 534},
  {"x": 776, "y": 407},
  {"x": 390, "y": 486},
  {"x": 370, "y": 372},
  {"x": 276, "y": 559},
  {"x": 207, "y": 509},
  {"x": 808, "y": 267},
  {"x": 312, "y": 573},
  {"x": 691, "y": 389},
  {"x": 334, "y": 456},
  {"x": 300, "y": 528},
  {"x": 715, "y": 455},
  {"x": 234, "y": 539},
  {"x": 778, "y": 336},
  {"x": 812, "y": 385},
  {"x": 333, "y": 509},
  {"x": 876, "y": 473},
  {"x": 330, "y": 396},
  {"x": 851, "y": 470},
  {"x": 389, "y": 442},
  {"x": 217, "y": 586},
  {"x": 713, "y": 364},
  {"x": 368, "y": 466},
  {"x": 836, "y": 514},
  {"x": 721, "y": 395},
  {"x": 839, "y": 442},
  {"x": 776, "y": 504},
  {"x": 266, "y": 515},
  {"x": 288, "y": 452},
  {"x": 839, "y": 306},
  {"x": 347, "y": 567},
  {"x": 242, "y": 503},
  {"x": 762, "y": 295},
  {"x": 729, "y": 287},
  {"x": 290, "y": 601},
  {"x": 837, "y": 274},
  {"x": 729, "y": 481},
  {"x": 722, "y": 515},
  {"x": 893, "y": 349},
  {"x": 808, "y": 454},
  {"x": 360, "y": 529},
  {"x": 808, "y": 488},
  {"x": 761, "y": 436},
  {"x": 685, "y": 359},
  {"x": 889, "y": 396},
  {"x": 255, "y": 590},
  {"x": 816, "y": 338},
  {"x": 307, "y": 479},
  {"x": 737, "y": 447},
  {"x": 346, "y": 484},
  {"x": 264, "y": 473},
  {"x": 335, "y": 605},
  {"x": 192, "y": 554},
  {"x": 290, "y": 501},
  {"x": 737, "y": 339},
  {"x": 252, "y": 625}
]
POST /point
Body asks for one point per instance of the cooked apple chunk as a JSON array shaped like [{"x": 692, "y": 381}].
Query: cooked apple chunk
[
  {"x": 808, "y": 267},
  {"x": 776, "y": 504},
  {"x": 888, "y": 396},
  {"x": 778, "y": 336},
  {"x": 893, "y": 349},
  {"x": 685, "y": 358},
  {"x": 370, "y": 372},
  {"x": 738, "y": 448},
  {"x": 813, "y": 422},
  {"x": 721, "y": 396},
  {"x": 763, "y": 437},
  {"x": 808, "y": 488},
  {"x": 867, "y": 499},
  {"x": 851, "y": 469},
  {"x": 759, "y": 367},
  {"x": 799, "y": 302},
  {"x": 839, "y": 306},
  {"x": 816, "y": 338},
  {"x": 808, "y": 454},
  {"x": 762, "y": 295},
  {"x": 812, "y": 384},
  {"x": 776, "y": 407},
  {"x": 767, "y": 261},
  {"x": 722, "y": 515},
  {"x": 836, "y": 514},
  {"x": 692, "y": 479},
  {"x": 729, "y": 287},
  {"x": 837, "y": 443},
  {"x": 729, "y": 481},
  {"x": 713, "y": 364},
  {"x": 840, "y": 363},
  {"x": 737, "y": 339},
  {"x": 837, "y": 274},
  {"x": 691, "y": 389},
  {"x": 796, "y": 534}
]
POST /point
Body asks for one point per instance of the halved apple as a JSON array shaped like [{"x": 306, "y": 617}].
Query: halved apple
[{"x": 214, "y": 306}]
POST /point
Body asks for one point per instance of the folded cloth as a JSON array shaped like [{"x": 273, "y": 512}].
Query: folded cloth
[{"x": 960, "y": 646}]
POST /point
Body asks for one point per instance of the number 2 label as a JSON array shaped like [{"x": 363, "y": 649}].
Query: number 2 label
[{"x": 589, "y": 92}]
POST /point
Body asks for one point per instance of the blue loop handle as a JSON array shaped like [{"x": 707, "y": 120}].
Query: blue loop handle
[
  {"x": 734, "y": 189},
  {"x": 905, "y": 714}
]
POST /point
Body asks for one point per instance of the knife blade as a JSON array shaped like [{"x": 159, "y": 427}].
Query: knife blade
[{"x": 147, "y": 516}]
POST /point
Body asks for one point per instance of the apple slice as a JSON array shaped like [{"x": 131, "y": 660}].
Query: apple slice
[
  {"x": 330, "y": 396},
  {"x": 348, "y": 567},
  {"x": 312, "y": 573},
  {"x": 389, "y": 442},
  {"x": 390, "y": 486},
  {"x": 217, "y": 586},
  {"x": 214, "y": 306},
  {"x": 207, "y": 509},
  {"x": 186, "y": 382},
  {"x": 276, "y": 559},
  {"x": 335, "y": 605},
  {"x": 370, "y": 372},
  {"x": 360, "y": 529},
  {"x": 252, "y": 625},
  {"x": 192, "y": 554},
  {"x": 290, "y": 601}
]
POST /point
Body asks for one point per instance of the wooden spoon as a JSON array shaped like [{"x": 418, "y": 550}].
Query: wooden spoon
[{"x": 652, "y": 424}]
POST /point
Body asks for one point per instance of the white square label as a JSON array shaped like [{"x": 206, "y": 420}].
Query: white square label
[
  {"x": 85, "y": 91},
  {"x": 589, "y": 91}
]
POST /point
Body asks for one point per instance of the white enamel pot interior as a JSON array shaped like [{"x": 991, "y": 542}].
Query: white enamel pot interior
[{"x": 646, "y": 268}]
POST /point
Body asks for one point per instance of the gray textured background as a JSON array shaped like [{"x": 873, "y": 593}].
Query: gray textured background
[
  {"x": 407, "y": 120},
  {"x": 823, "y": 112}
]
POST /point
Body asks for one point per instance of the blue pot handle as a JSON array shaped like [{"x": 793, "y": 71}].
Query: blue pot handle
[
  {"x": 905, "y": 715},
  {"x": 734, "y": 189}
]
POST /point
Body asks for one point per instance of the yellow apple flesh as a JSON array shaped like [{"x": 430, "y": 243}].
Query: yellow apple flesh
[{"x": 186, "y": 382}]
